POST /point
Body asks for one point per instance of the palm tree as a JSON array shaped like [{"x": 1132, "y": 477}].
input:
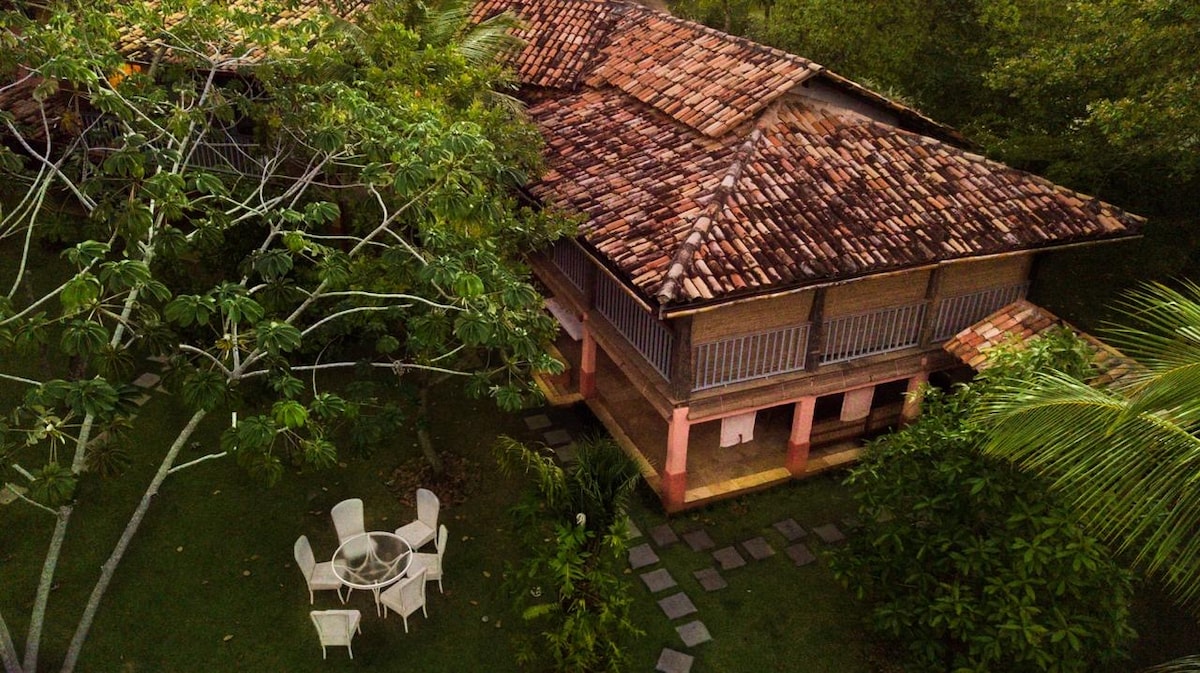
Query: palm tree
[{"x": 1127, "y": 455}]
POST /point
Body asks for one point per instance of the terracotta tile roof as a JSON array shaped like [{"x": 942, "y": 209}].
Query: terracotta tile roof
[
  {"x": 562, "y": 38},
  {"x": 703, "y": 78},
  {"x": 1022, "y": 321},
  {"x": 816, "y": 196},
  {"x": 708, "y": 169}
]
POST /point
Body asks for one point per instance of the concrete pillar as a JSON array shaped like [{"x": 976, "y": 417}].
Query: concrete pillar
[
  {"x": 799, "y": 440},
  {"x": 587, "y": 364},
  {"x": 912, "y": 398},
  {"x": 674, "y": 476}
]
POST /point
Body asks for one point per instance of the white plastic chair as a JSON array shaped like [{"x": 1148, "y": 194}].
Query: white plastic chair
[
  {"x": 348, "y": 520},
  {"x": 432, "y": 563},
  {"x": 318, "y": 576},
  {"x": 405, "y": 596},
  {"x": 337, "y": 628},
  {"x": 424, "y": 528}
]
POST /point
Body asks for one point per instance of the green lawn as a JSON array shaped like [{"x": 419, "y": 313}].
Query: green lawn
[{"x": 209, "y": 583}]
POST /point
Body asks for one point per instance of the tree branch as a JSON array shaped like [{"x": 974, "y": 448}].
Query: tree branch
[
  {"x": 201, "y": 459},
  {"x": 8, "y": 651}
]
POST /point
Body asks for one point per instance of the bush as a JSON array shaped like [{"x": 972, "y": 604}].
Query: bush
[{"x": 972, "y": 565}]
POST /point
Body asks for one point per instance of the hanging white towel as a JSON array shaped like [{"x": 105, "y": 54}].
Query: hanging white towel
[
  {"x": 737, "y": 429},
  {"x": 856, "y": 404}
]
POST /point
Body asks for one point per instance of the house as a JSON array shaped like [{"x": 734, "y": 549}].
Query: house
[{"x": 771, "y": 255}]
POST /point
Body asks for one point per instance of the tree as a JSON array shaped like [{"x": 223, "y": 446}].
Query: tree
[
  {"x": 237, "y": 193},
  {"x": 966, "y": 561},
  {"x": 1127, "y": 456},
  {"x": 571, "y": 586}
]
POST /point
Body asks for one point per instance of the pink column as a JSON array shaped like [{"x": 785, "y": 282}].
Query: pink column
[
  {"x": 912, "y": 398},
  {"x": 674, "y": 477},
  {"x": 587, "y": 365},
  {"x": 798, "y": 441}
]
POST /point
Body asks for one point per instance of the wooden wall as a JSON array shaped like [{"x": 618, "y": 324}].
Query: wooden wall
[
  {"x": 752, "y": 316},
  {"x": 870, "y": 294},
  {"x": 971, "y": 276}
]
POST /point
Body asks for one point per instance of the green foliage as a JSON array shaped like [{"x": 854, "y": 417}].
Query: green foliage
[
  {"x": 571, "y": 590},
  {"x": 970, "y": 563},
  {"x": 1126, "y": 455}
]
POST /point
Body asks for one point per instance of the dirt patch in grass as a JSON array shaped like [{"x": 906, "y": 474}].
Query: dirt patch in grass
[{"x": 456, "y": 483}]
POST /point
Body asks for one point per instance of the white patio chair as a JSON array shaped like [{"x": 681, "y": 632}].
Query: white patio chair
[
  {"x": 337, "y": 627},
  {"x": 424, "y": 528},
  {"x": 405, "y": 596},
  {"x": 318, "y": 576},
  {"x": 348, "y": 520},
  {"x": 431, "y": 563}
]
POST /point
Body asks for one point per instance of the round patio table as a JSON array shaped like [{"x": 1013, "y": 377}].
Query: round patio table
[{"x": 372, "y": 561}]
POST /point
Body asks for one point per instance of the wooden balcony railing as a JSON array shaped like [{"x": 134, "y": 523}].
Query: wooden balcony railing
[
  {"x": 749, "y": 357},
  {"x": 957, "y": 313},
  {"x": 644, "y": 332},
  {"x": 862, "y": 334},
  {"x": 572, "y": 262}
]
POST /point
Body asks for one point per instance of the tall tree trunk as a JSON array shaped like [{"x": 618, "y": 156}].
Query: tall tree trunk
[
  {"x": 8, "y": 652},
  {"x": 131, "y": 528},
  {"x": 37, "y": 616},
  {"x": 423, "y": 439}
]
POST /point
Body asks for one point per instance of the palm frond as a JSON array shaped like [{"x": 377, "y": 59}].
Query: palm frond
[
  {"x": 1128, "y": 468},
  {"x": 1190, "y": 664}
]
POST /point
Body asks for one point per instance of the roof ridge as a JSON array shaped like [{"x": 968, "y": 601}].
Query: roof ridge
[{"x": 682, "y": 260}]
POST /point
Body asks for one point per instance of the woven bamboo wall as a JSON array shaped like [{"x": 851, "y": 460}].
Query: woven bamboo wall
[
  {"x": 752, "y": 316},
  {"x": 966, "y": 277},
  {"x": 869, "y": 294}
]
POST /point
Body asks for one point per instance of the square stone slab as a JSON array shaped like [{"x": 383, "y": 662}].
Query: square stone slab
[
  {"x": 538, "y": 422},
  {"x": 710, "y": 579},
  {"x": 800, "y": 554},
  {"x": 829, "y": 533},
  {"x": 147, "y": 380},
  {"x": 790, "y": 529},
  {"x": 728, "y": 558},
  {"x": 567, "y": 453},
  {"x": 642, "y": 556},
  {"x": 671, "y": 661},
  {"x": 557, "y": 437},
  {"x": 657, "y": 580},
  {"x": 851, "y": 523},
  {"x": 634, "y": 531},
  {"x": 698, "y": 540},
  {"x": 694, "y": 633},
  {"x": 677, "y": 606},
  {"x": 663, "y": 535},
  {"x": 758, "y": 549}
]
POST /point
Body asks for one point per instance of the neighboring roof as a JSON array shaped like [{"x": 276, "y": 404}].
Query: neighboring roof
[
  {"x": 646, "y": 116},
  {"x": 16, "y": 97},
  {"x": 1020, "y": 322}
]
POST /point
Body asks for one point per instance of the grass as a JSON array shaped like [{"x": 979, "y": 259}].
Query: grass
[{"x": 209, "y": 582}]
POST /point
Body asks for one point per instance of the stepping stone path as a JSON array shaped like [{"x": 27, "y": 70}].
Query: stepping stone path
[
  {"x": 567, "y": 453},
  {"x": 800, "y": 554},
  {"x": 710, "y": 579},
  {"x": 698, "y": 540},
  {"x": 758, "y": 549},
  {"x": 728, "y": 558},
  {"x": 634, "y": 531},
  {"x": 671, "y": 661},
  {"x": 790, "y": 529},
  {"x": 694, "y": 633},
  {"x": 829, "y": 533},
  {"x": 663, "y": 535},
  {"x": 851, "y": 523},
  {"x": 538, "y": 422},
  {"x": 657, "y": 580},
  {"x": 642, "y": 556},
  {"x": 557, "y": 437},
  {"x": 677, "y": 606},
  {"x": 147, "y": 380}
]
